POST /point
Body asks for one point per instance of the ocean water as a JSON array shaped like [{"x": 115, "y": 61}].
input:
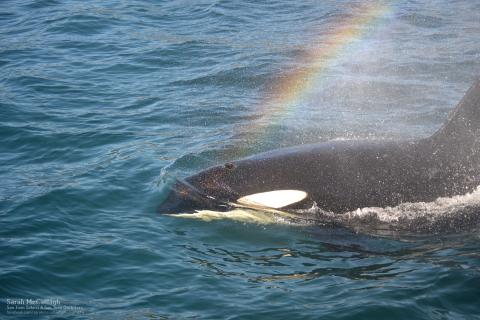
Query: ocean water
[{"x": 102, "y": 103}]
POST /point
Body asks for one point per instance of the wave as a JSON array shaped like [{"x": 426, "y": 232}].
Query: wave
[{"x": 444, "y": 215}]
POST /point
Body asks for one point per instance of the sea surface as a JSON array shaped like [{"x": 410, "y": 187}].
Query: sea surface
[{"x": 103, "y": 102}]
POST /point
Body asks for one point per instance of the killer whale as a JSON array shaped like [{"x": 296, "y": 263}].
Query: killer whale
[{"x": 341, "y": 176}]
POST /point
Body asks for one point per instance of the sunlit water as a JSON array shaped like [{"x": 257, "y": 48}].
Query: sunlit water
[{"x": 103, "y": 103}]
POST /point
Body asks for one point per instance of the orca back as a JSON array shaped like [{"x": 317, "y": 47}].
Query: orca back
[
  {"x": 463, "y": 124},
  {"x": 458, "y": 140}
]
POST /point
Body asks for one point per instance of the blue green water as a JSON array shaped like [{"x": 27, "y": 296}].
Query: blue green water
[{"x": 102, "y": 102}]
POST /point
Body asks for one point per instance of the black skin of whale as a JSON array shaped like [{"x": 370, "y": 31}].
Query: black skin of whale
[{"x": 341, "y": 176}]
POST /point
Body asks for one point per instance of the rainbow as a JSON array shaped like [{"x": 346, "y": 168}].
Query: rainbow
[{"x": 285, "y": 95}]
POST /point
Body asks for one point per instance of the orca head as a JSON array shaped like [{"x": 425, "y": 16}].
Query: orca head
[
  {"x": 212, "y": 189},
  {"x": 249, "y": 183},
  {"x": 183, "y": 197}
]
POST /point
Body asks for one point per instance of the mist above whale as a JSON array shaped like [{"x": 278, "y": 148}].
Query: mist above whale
[{"x": 341, "y": 176}]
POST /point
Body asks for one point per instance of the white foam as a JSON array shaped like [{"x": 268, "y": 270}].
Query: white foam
[{"x": 414, "y": 210}]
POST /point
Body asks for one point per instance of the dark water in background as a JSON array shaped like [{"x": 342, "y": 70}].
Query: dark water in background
[{"x": 100, "y": 102}]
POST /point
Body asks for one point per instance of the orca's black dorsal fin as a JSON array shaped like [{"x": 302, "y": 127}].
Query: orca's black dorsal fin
[{"x": 462, "y": 129}]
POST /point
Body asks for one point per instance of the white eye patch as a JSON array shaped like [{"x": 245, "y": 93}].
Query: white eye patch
[{"x": 273, "y": 199}]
